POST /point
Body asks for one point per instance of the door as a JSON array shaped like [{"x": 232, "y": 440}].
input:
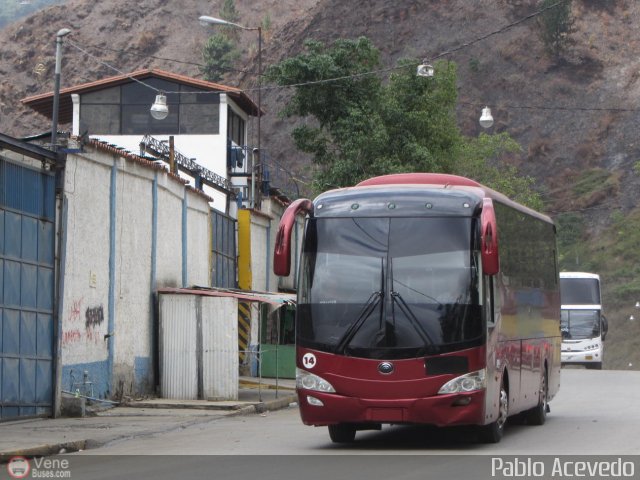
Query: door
[{"x": 27, "y": 243}]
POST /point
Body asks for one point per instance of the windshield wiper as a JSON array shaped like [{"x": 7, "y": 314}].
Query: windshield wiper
[
  {"x": 424, "y": 335},
  {"x": 397, "y": 298},
  {"x": 368, "y": 308},
  {"x": 366, "y": 311}
]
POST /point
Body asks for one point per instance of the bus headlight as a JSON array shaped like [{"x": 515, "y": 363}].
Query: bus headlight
[
  {"x": 309, "y": 381},
  {"x": 465, "y": 383}
]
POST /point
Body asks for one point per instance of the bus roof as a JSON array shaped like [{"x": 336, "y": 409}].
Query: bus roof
[
  {"x": 438, "y": 181},
  {"x": 579, "y": 275}
]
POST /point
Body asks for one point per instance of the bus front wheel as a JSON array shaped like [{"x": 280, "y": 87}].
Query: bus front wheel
[
  {"x": 493, "y": 432},
  {"x": 342, "y": 433}
]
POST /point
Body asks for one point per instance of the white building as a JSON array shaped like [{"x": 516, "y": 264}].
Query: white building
[
  {"x": 125, "y": 227},
  {"x": 208, "y": 123}
]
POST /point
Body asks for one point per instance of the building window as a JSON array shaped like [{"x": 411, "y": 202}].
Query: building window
[
  {"x": 124, "y": 110},
  {"x": 235, "y": 128}
]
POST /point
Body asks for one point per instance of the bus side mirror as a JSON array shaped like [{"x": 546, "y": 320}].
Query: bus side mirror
[
  {"x": 282, "y": 251},
  {"x": 489, "y": 239}
]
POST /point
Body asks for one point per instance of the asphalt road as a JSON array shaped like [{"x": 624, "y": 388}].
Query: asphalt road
[{"x": 596, "y": 413}]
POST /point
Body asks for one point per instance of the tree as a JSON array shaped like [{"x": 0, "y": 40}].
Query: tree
[
  {"x": 229, "y": 13},
  {"x": 357, "y": 126},
  {"x": 555, "y": 25},
  {"x": 220, "y": 52}
]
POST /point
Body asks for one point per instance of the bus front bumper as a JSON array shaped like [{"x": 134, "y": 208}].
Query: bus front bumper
[
  {"x": 439, "y": 410},
  {"x": 581, "y": 358}
]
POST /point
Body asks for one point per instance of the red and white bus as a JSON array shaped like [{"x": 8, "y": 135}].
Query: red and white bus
[{"x": 423, "y": 299}]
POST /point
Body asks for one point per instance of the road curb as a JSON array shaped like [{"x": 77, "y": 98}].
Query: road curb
[
  {"x": 90, "y": 444},
  {"x": 262, "y": 407},
  {"x": 44, "y": 450}
]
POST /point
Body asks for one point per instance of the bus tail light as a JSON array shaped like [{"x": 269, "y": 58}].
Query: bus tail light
[
  {"x": 465, "y": 383},
  {"x": 308, "y": 381}
]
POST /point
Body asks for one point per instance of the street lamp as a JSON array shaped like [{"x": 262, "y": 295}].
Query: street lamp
[
  {"x": 486, "y": 120},
  {"x": 205, "y": 20},
  {"x": 159, "y": 109},
  {"x": 424, "y": 70},
  {"x": 56, "y": 91}
]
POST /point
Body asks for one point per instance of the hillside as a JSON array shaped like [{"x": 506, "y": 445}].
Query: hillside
[{"x": 574, "y": 117}]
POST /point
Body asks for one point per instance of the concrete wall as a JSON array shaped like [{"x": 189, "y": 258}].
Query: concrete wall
[{"x": 128, "y": 228}]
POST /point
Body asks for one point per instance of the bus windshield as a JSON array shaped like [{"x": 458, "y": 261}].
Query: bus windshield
[
  {"x": 579, "y": 291},
  {"x": 389, "y": 287},
  {"x": 579, "y": 324}
]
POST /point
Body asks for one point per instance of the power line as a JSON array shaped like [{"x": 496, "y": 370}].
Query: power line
[
  {"x": 355, "y": 75},
  {"x": 557, "y": 108},
  {"x": 500, "y": 30},
  {"x": 138, "y": 53},
  {"x": 365, "y": 74},
  {"x": 111, "y": 67}
]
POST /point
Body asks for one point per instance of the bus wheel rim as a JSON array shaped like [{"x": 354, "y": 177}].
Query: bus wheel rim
[{"x": 503, "y": 408}]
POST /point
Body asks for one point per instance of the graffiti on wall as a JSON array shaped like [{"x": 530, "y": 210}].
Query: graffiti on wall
[
  {"x": 71, "y": 336},
  {"x": 94, "y": 316},
  {"x": 93, "y": 319}
]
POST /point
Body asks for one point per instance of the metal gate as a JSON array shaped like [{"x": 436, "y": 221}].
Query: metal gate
[
  {"x": 27, "y": 243},
  {"x": 223, "y": 234}
]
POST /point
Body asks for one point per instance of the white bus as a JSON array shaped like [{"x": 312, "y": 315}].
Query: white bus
[{"x": 583, "y": 326}]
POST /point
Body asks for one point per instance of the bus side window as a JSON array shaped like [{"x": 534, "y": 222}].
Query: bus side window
[{"x": 488, "y": 301}]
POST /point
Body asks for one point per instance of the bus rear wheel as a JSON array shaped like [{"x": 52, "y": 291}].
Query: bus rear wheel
[
  {"x": 538, "y": 414},
  {"x": 342, "y": 433},
  {"x": 493, "y": 432}
]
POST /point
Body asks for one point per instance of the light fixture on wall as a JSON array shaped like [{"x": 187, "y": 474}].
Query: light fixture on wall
[
  {"x": 486, "y": 120},
  {"x": 159, "y": 109}
]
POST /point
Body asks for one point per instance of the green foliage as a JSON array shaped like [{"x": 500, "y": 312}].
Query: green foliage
[
  {"x": 555, "y": 24},
  {"x": 358, "y": 127},
  {"x": 229, "y": 13},
  {"x": 590, "y": 181},
  {"x": 570, "y": 227},
  {"x": 481, "y": 159},
  {"x": 266, "y": 22},
  {"x": 614, "y": 254},
  {"x": 219, "y": 55}
]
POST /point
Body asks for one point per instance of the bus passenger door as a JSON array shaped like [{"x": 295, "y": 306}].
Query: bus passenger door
[{"x": 494, "y": 353}]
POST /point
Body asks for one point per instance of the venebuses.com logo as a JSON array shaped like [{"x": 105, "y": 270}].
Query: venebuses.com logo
[{"x": 20, "y": 467}]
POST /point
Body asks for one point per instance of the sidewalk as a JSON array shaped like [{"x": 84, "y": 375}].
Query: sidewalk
[{"x": 47, "y": 436}]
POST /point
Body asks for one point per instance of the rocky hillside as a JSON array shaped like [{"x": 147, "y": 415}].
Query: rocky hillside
[{"x": 575, "y": 117}]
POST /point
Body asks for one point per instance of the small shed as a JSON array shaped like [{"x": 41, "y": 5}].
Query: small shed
[{"x": 198, "y": 340}]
